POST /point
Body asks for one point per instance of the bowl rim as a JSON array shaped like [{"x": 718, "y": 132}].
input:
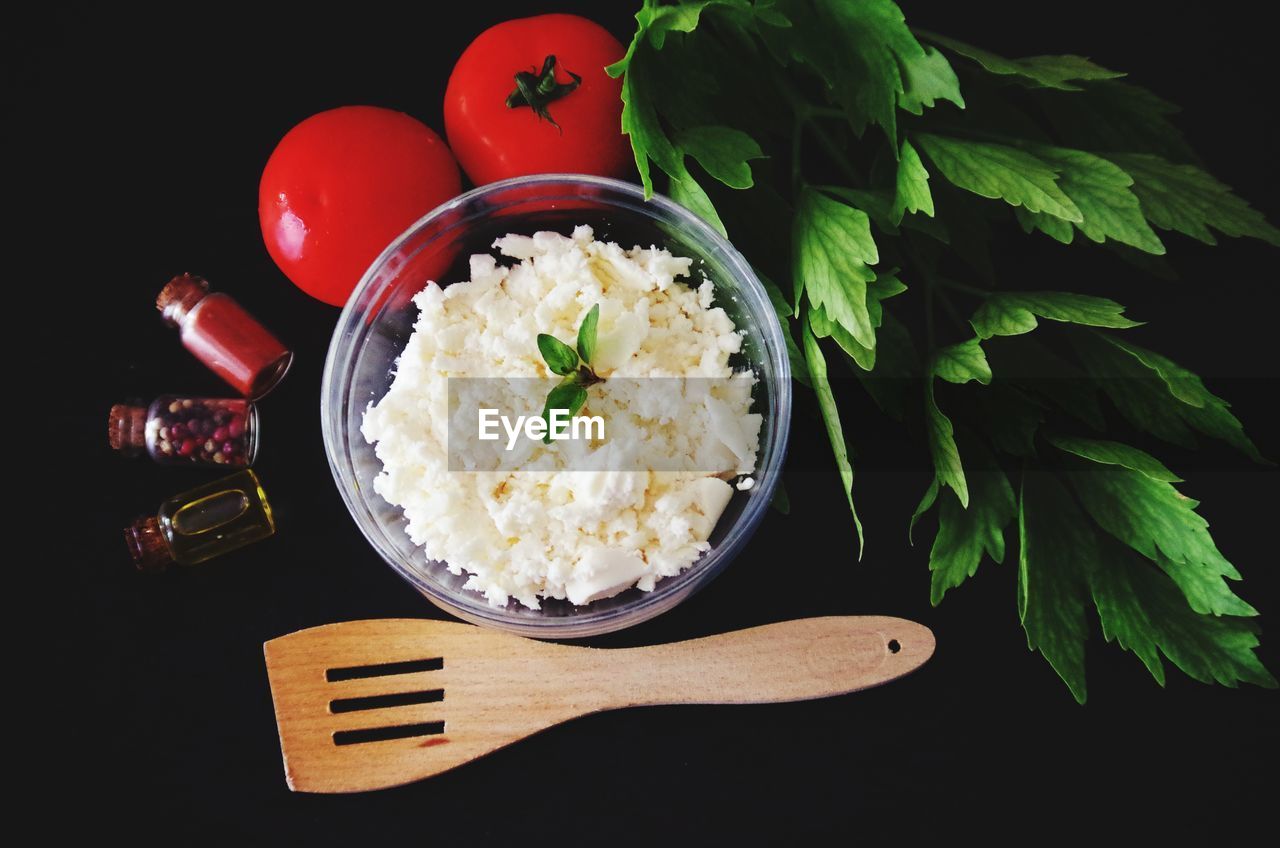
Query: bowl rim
[{"x": 698, "y": 574}]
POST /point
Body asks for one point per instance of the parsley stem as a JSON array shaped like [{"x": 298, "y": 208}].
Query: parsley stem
[
  {"x": 950, "y": 307},
  {"x": 837, "y": 155},
  {"x": 797, "y": 176},
  {"x": 966, "y": 288}
]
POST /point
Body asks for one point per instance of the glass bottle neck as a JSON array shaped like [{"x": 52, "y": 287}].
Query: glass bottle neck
[
  {"x": 127, "y": 427},
  {"x": 147, "y": 545},
  {"x": 179, "y": 296}
]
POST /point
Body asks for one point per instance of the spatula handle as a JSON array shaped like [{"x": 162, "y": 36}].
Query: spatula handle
[{"x": 788, "y": 661}]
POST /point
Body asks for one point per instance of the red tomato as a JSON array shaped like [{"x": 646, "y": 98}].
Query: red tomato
[
  {"x": 494, "y": 141},
  {"x": 341, "y": 185}
]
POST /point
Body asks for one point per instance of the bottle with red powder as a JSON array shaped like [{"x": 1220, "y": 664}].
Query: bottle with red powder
[{"x": 224, "y": 336}]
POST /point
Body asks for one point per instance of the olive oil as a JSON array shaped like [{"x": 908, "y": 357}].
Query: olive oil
[{"x": 201, "y": 524}]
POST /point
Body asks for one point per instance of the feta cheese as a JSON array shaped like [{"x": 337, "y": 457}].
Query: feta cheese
[{"x": 559, "y": 531}]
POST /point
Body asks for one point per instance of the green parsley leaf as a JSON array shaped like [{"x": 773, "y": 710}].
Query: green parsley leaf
[
  {"x": 1154, "y": 519},
  {"x": 1014, "y": 313},
  {"x": 587, "y": 334},
  {"x": 782, "y": 306},
  {"x": 1101, "y": 191},
  {"x": 859, "y": 50},
  {"x": 723, "y": 152},
  {"x": 686, "y": 191},
  {"x": 832, "y": 249},
  {"x": 649, "y": 141},
  {"x": 1159, "y": 396},
  {"x": 568, "y": 396},
  {"x": 1026, "y": 364},
  {"x": 1187, "y": 199},
  {"x": 1047, "y": 71},
  {"x": 1115, "y": 453},
  {"x": 1055, "y": 228},
  {"x": 927, "y": 77},
  {"x": 1112, "y": 115},
  {"x": 877, "y": 203},
  {"x": 999, "y": 172},
  {"x": 967, "y": 531},
  {"x": 1054, "y": 540},
  {"x": 560, "y": 358},
  {"x": 1010, "y": 418},
  {"x": 960, "y": 363},
  {"x": 830, "y": 417},
  {"x": 823, "y": 327},
  {"x": 913, "y": 185},
  {"x": 1144, "y": 612},
  {"x": 942, "y": 447}
]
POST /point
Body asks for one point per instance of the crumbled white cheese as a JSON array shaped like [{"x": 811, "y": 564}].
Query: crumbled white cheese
[
  {"x": 564, "y": 532},
  {"x": 746, "y": 483}
]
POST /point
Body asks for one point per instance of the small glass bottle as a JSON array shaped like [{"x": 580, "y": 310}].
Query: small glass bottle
[
  {"x": 183, "y": 430},
  {"x": 201, "y": 524},
  {"x": 224, "y": 336}
]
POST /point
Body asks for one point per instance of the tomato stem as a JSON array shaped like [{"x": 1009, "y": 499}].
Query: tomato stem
[{"x": 539, "y": 90}]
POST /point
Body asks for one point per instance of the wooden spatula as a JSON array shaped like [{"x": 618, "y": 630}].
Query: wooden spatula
[{"x": 371, "y": 704}]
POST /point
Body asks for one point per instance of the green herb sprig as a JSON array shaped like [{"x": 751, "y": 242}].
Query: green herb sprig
[
  {"x": 574, "y": 365},
  {"x": 890, "y": 155}
]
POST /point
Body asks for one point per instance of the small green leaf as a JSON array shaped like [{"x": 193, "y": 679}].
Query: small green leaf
[
  {"x": 1059, "y": 72},
  {"x": 927, "y": 500},
  {"x": 560, "y": 358},
  {"x": 1113, "y": 115},
  {"x": 1143, "y": 611},
  {"x": 1186, "y": 199},
  {"x": 723, "y": 152},
  {"x": 1014, "y": 313},
  {"x": 926, "y": 78},
  {"x": 1102, "y": 192},
  {"x": 587, "y": 334},
  {"x": 1009, "y": 417},
  {"x": 913, "y": 193},
  {"x": 568, "y": 396},
  {"x": 823, "y": 327},
  {"x": 960, "y": 363},
  {"x": 1159, "y": 396},
  {"x": 965, "y": 533},
  {"x": 799, "y": 370},
  {"x": 1114, "y": 453},
  {"x": 1055, "y": 540},
  {"x": 1026, "y": 364},
  {"x": 686, "y": 191},
  {"x": 1000, "y": 172},
  {"x": 860, "y": 50},
  {"x": 1055, "y": 228},
  {"x": 832, "y": 249},
  {"x": 830, "y": 417},
  {"x": 942, "y": 446},
  {"x": 1154, "y": 519}
]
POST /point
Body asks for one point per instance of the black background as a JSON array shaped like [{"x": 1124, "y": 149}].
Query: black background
[{"x": 143, "y": 136}]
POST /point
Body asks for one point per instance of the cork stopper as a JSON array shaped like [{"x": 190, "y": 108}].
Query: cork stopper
[
  {"x": 147, "y": 545},
  {"x": 179, "y": 297},
  {"x": 127, "y": 428}
]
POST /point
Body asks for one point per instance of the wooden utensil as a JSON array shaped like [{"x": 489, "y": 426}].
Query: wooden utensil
[{"x": 371, "y": 704}]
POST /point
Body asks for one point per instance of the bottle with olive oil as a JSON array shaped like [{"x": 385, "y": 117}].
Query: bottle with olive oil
[{"x": 201, "y": 524}]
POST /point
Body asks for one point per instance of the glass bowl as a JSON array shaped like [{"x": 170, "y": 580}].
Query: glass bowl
[{"x": 378, "y": 320}]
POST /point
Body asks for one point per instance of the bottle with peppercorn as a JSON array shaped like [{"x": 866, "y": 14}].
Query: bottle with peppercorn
[{"x": 185, "y": 430}]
